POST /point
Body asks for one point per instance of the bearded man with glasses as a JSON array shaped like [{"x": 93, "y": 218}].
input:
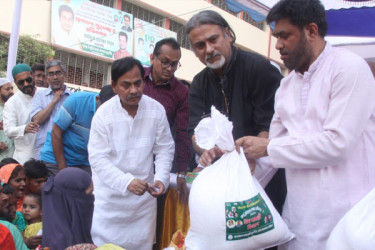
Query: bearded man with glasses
[
  {"x": 47, "y": 102},
  {"x": 16, "y": 115}
]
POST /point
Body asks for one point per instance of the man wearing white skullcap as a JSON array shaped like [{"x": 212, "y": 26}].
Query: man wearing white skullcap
[{"x": 6, "y": 144}]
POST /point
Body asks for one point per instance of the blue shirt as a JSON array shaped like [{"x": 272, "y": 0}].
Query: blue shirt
[
  {"x": 74, "y": 118},
  {"x": 41, "y": 99}
]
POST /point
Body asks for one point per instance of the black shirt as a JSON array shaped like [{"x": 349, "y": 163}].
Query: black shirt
[{"x": 245, "y": 92}]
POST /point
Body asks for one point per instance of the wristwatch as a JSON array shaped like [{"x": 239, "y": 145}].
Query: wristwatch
[{"x": 181, "y": 175}]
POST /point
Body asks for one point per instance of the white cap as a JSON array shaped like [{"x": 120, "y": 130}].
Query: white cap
[{"x": 4, "y": 81}]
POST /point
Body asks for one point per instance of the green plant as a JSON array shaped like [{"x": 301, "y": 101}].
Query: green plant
[{"x": 30, "y": 51}]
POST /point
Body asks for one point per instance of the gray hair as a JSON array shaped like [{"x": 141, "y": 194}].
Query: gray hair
[
  {"x": 209, "y": 17},
  {"x": 55, "y": 62}
]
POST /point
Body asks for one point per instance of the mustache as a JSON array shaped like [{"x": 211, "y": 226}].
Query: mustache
[
  {"x": 208, "y": 57},
  {"x": 283, "y": 52},
  {"x": 28, "y": 87},
  {"x": 134, "y": 96}
]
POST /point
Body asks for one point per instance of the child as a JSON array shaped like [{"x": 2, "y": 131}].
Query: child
[
  {"x": 32, "y": 211},
  {"x": 36, "y": 175}
]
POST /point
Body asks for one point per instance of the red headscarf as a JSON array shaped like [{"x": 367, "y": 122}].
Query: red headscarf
[{"x": 5, "y": 173}]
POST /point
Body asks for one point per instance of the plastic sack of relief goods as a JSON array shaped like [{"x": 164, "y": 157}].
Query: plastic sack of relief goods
[
  {"x": 356, "y": 230},
  {"x": 228, "y": 207}
]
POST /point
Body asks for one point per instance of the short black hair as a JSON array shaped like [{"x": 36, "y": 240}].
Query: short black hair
[
  {"x": 8, "y": 189},
  {"x": 65, "y": 8},
  {"x": 300, "y": 13},
  {"x": 35, "y": 169},
  {"x": 123, "y": 34},
  {"x": 37, "y": 66},
  {"x": 38, "y": 197},
  {"x": 8, "y": 160},
  {"x": 171, "y": 41},
  {"x": 209, "y": 17},
  {"x": 127, "y": 16},
  {"x": 123, "y": 65},
  {"x": 106, "y": 93}
]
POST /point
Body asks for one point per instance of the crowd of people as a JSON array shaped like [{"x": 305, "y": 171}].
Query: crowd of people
[{"x": 83, "y": 170}]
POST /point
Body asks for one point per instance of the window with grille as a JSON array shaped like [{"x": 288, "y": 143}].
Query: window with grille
[
  {"x": 222, "y": 5},
  {"x": 143, "y": 14},
  {"x": 84, "y": 71},
  {"x": 246, "y": 17},
  {"x": 182, "y": 38},
  {"x": 74, "y": 75}
]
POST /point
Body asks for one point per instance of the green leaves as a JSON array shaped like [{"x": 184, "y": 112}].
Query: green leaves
[{"x": 30, "y": 51}]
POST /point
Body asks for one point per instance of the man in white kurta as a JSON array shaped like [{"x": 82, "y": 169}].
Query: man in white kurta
[
  {"x": 16, "y": 115},
  {"x": 124, "y": 147},
  {"x": 323, "y": 130}
]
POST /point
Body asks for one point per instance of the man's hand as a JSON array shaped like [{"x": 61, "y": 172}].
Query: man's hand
[
  {"x": 138, "y": 187},
  {"x": 182, "y": 190},
  {"x": 209, "y": 156},
  {"x": 32, "y": 127},
  {"x": 156, "y": 189},
  {"x": 197, "y": 169},
  {"x": 33, "y": 241},
  {"x": 253, "y": 147},
  {"x": 57, "y": 95},
  {"x": 3, "y": 146}
]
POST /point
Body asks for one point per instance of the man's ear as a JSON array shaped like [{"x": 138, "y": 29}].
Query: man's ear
[
  {"x": 97, "y": 99},
  {"x": 228, "y": 34},
  {"x": 152, "y": 57},
  {"x": 113, "y": 86},
  {"x": 311, "y": 30}
]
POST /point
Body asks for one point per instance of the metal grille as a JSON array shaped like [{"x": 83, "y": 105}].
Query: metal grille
[
  {"x": 143, "y": 14},
  {"x": 182, "y": 38},
  {"x": 108, "y": 3},
  {"x": 83, "y": 70},
  {"x": 222, "y": 5},
  {"x": 246, "y": 17}
]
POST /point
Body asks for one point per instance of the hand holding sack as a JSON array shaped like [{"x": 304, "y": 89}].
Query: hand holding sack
[{"x": 228, "y": 207}]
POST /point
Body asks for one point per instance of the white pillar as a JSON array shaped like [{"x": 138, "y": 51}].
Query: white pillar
[{"x": 14, "y": 35}]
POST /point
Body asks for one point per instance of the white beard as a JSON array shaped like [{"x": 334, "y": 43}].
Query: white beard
[{"x": 217, "y": 64}]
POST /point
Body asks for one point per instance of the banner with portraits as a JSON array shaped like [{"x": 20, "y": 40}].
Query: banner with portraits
[
  {"x": 146, "y": 35},
  {"x": 89, "y": 27}
]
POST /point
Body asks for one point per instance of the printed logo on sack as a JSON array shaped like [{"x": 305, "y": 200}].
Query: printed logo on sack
[{"x": 247, "y": 218}]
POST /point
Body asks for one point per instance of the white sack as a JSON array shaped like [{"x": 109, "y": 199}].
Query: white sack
[
  {"x": 228, "y": 207},
  {"x": 356, "y": 230}
]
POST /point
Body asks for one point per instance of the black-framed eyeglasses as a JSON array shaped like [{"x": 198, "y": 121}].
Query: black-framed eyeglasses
[
  {"x": 57, "y": 73},
  {"x": 22, "y": 82},
  {"x": 165, "y": 64}
]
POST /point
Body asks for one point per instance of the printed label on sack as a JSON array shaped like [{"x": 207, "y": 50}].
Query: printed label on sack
[
  {"x": 190, "y": 177},
  {"x": 247, "y": 218}
]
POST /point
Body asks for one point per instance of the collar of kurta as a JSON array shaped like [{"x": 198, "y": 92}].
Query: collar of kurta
[
  {"x": 50, "y": 91},
  {"x": 148, "y": 74},
  {"x": 316, "y": 64}
]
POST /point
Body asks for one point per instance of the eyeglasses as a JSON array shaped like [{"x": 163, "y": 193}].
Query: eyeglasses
[
  {"x": 22, "y": 82},
  {"x": 56, "y": 73},
  {"x": 165, "y": 64}
]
